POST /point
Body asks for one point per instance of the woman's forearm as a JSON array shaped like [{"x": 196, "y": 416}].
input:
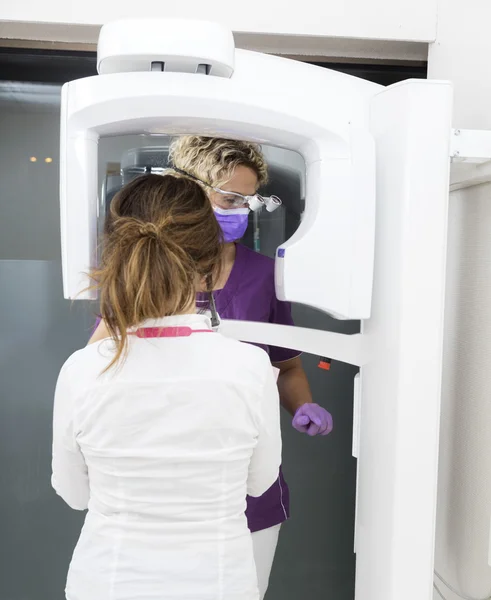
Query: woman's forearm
[{"x": 293, "y": 385}]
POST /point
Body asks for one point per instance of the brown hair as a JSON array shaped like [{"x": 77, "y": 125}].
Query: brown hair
[{"x": 160, "y": 239}]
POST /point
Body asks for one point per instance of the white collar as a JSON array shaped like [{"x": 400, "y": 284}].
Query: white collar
[{"x": 193, "y": 321}]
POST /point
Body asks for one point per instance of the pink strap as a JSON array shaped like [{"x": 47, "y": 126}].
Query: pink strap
[{"x": 164, "y": 332}]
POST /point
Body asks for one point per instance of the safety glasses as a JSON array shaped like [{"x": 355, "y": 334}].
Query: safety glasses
[{"x": 236, "y": 200}]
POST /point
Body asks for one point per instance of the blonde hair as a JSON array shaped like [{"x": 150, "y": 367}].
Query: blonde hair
[
  {"x": 161, "y": 238},
  {"x": 213, "y": 160}
]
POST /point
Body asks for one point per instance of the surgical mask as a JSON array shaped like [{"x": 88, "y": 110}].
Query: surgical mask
[{"x": 233, "y": 222}]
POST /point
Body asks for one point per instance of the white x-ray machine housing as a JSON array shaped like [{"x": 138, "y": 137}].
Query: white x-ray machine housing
[{"x": 371, "y": 245}]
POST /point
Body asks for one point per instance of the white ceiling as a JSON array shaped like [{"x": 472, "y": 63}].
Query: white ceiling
[{"x": 29, "y": 97}]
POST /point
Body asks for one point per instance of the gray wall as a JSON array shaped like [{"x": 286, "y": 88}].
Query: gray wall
[
  {"x": 39, "y": 329},
  {"x": 29, "y": 209}
]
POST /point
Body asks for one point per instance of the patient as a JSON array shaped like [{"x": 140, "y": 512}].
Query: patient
[{"x": 163, "y": 428}]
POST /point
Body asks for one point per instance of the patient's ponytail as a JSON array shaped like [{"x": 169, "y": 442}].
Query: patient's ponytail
[{"x": 161, "y": 240}]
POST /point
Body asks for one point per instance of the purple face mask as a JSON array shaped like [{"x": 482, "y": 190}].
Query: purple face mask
[{"x": 233, "y": 222}]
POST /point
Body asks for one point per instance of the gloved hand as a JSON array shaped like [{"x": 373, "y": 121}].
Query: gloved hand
[{"x": 312, "y": 419}]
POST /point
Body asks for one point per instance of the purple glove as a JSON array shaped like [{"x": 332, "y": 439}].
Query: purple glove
[{"x": 312, "y": 419}]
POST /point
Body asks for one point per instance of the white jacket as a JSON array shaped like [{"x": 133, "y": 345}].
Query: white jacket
[{"x": 162, "y": 451}]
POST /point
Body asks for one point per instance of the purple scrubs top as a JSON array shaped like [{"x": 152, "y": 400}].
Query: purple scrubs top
[{"x": 249, "y": 295}]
